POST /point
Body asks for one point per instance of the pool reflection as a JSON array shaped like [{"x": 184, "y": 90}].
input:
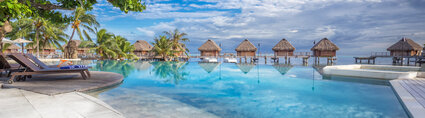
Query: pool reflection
[{"x": 172, "y": 72}]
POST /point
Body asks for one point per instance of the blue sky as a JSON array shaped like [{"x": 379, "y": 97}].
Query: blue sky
[{"x": 358, "y": 27}]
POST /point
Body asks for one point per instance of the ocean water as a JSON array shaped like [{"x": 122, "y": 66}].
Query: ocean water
[{"x": 195, "y": 89}]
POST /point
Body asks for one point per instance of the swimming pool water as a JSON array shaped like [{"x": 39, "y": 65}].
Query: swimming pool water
[{"x": 193, "y": 89}]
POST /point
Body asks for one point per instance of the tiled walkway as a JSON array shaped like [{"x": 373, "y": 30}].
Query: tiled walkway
[{"x": 16, "y": 103}]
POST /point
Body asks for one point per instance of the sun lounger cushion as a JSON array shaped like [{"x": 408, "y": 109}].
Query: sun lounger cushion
[{"x": 74, "y": 66}]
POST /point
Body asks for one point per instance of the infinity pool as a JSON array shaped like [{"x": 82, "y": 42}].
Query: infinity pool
[{"x": 192, "y": 89}]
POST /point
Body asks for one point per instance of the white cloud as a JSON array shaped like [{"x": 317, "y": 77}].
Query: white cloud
[{"x": 148, "y": 33}]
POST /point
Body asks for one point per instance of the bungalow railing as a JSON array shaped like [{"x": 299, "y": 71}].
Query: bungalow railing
[
  {"x": 380, "y": 54},
  {"x": 302, "y": 53}
]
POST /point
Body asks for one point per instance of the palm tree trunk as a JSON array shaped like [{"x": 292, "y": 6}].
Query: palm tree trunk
[
  {"x": 38, "y": 46},
  {"x": 1, "y": 39},
  {"x": 72, "y": 35}
]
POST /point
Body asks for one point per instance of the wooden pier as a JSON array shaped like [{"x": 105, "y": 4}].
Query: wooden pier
[
  {"x": 369, "y": 60},
  {"x": 397, "y": 59}
]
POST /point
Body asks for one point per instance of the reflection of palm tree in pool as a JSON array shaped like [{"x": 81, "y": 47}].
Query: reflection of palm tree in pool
[
  {"x": 122, "y": 67},
  {"x": 173, "y": 72}
]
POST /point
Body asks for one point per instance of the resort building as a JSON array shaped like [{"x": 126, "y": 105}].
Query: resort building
[
  {"x": 324, "y": 48},
  {"x": 246, "y": 48},
  {"x": 12, "y": 49},
  {"x": 49, "y": 49},
  {"x": 283, "y": 48},
  {"x": 405, "y": 47},
  {"x": 81, "y": 51},
  {"x": 142, "y": 48},
  {"x": 210, "y": 48}
]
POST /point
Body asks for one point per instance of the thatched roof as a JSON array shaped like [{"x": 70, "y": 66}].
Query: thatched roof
[
  {"x": 142, "y": 45},
  {"x": 246, "y": 46},
  {"x": 283, "y": 45},
  {"x": 282, "y": 68},
  {"x": 78, "y": 42},
  {"x": 405, "y": 44},
  {"x": 13, "y": 47},
  {"x": 210, "y": 45},
  {"x": 209, "y": 67},
  {"x": 324, "y": 44},
  {"x": 245, "y": 67}
]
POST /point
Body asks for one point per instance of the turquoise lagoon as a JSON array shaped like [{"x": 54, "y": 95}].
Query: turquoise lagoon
[{"x": 194, "y": 89}]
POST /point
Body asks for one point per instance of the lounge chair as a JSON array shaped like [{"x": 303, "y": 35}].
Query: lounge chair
[
  {"x": 5, "y": 66},
  {"x": 33, "y": 68},
  {"x": 38, "y": 62}
]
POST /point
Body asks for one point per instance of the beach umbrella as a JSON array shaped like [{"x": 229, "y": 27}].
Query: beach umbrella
[
  {"x": 21, "y": 41},
  {"x": 4, "y": 40}
]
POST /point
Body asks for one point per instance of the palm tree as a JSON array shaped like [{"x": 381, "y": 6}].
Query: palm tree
[
  {"x": 30, "y": 28},
  {"x": 105, "y": 46},
  {"x": 81, "y": 18},
  {"x": 177, "y": 38},
  {"x": 42, "y": 32},
  {"x": 125, "y": 48},
  {"x": 163, "y": 47},
  {"x": 84, "y": 20},
  {"x": 55, "y": 37}
]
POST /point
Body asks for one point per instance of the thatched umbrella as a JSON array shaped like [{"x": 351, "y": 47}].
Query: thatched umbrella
[
  {"x": 283, "y": 47},
  {"x": 245, "y": 67},
  {"x": 405, "y": 45},
  {"x": 209, "y": 48},
  {"x": 209, "y": 67}
]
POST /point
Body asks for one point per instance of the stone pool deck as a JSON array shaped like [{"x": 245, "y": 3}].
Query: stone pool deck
[
  {"x": 57, "y": 96},
  {"x": 411, "y": 92}
]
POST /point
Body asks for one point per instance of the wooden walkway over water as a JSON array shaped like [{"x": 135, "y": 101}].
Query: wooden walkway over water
[
  {"x": 397, "y": 59},
  {"x": 412, "y": 94}
]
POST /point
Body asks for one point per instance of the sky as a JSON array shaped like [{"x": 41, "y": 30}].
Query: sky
[{"x": 358, "y": 27}]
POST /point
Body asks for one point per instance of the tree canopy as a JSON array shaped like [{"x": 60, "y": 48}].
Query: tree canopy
[{"x": 12, "y": 9}]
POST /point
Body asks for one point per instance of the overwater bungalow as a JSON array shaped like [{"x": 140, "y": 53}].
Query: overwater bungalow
[
  {"x": 81, "y": 51},
  {"x": 209, "y": 48},
  {"x": 324, "y": 48},
  {"x": 143, "y": 48},
  {"x": 282, "y": 68},
  {"x": 283, "y": 48},
  {"x": 405, "y": 47},
  {"x": 12, "y": 49},
  {"x": 246, "y": 48},
  {"x": 208, "y": 67},
  {"x": 245, "y": 67}
]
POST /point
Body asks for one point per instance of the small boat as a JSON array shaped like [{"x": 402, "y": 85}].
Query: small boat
[
  {"x": 209, "y": 60},
  {"x": 230, "y": 60}
]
